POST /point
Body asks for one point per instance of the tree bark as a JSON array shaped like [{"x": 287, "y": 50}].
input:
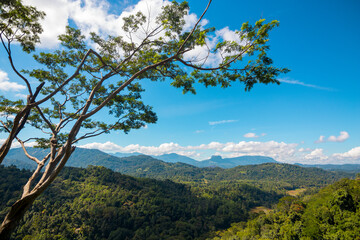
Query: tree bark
[{"x": 16, "y": 213}]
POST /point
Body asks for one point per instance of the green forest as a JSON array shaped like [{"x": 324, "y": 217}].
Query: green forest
[
  {"x": 332, "y": 213},
  {"x": 112, "y": 69},
  {"x": 98, "y": 203}
]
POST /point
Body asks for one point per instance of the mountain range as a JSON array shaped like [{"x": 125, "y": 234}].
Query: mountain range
[{"x": 130, "y": 163}]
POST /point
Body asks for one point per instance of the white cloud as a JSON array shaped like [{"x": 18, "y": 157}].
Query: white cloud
[
  {"x": 317, "y": 155},
  {"x": 305, "y": 149},
  {"x": 148, "y": 150},
  {"x": 222, "y": 122},
  {"x": 88, "y": 15},
  {"x": 296, "y": 82},
  {"x": 250, "y": 135},
  {"x": 6, "y": 85},
  {"x": 201, "y": 54},
  {"x": 321, "y": 139},
  {"x": 199, "y": 131},
  {"x": 56, "y": 19},
  {"x": 97, "y": 16},
  {"x": 352, "y": 154},
  {"x": 341, "y": 138},
  {"x": 278, "y": 150},
  {"x": 253, "y": 135},
  {"x": 16, "y": 144},
  {"x": 20, "y": 95}
]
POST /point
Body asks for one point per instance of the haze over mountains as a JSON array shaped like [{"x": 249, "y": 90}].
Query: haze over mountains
[
  {"x": 80, "y": 158},
  {"x": 129, "y": 162}
]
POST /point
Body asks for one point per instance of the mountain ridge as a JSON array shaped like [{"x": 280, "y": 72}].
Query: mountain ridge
[{"x": 165, "y": 162}]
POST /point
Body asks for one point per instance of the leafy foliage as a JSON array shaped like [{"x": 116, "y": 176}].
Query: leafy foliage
[
  {"x": 96, "y": 203},
  {"x": 333, "y": 213},
  {"x": 19, "y": 23},
  {"x": 79, "y": 85}
]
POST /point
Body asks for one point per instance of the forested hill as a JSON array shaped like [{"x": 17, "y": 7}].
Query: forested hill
[
  {"x": 97, "y": 203},
  {"x": 350, "y": 168},
  {"x": 80, "y": 158},
  {"x": 286, "y": 175},
  {"x": 217, "y": 161},
  {"x": 292, "y": 174},
  {"x": 333, "y": 213}
]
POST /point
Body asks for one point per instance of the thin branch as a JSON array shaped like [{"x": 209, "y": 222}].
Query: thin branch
[
  {"x": 18, "y": 73},
  {"x": 193, "y": 30},
  {"x": 26, "y": 152},
  {"x": 22, "y": 144},
  {"x": 90, "y": 51},
  {"x": 94, "y": 134},
  {"x": 46, "y": 120},
  {"x": 66, "y": 120},
  {"x": 125, "y": 84},
  {"x": 223, "y": 66}
]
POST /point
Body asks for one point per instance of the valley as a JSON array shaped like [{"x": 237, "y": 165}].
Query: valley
[{"x": 140, "y": 197}]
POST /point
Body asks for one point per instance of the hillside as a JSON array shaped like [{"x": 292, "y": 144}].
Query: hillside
[
  {"x": 284, "y": 176},
  {"x": 174, "y": 158},
  {"x": 295, "y": 175},
  {"x": 218, "y": 161},
  {"x": 97, "y": 203},
  {"x": 350, "y": 168},
  {"x": 333, "y": 213}
]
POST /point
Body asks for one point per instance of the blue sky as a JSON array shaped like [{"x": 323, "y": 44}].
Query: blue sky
[{"x": 312, "y": 117}]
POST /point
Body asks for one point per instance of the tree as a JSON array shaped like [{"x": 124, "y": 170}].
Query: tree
[{"x": 79, "y": 84}]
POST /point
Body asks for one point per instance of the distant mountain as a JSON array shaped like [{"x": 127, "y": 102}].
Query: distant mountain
[
  {"x": 120, "y": 154},
  {"x": 286, "y": 175},
  {"x": 214, "y": 161},
  {"x": 82, "y": 157},
  {"x": 17, "y": 157},
  {"x": 173, "y": 158},
  {"x": 218, "y": 161},
  {"x": 351, "y": 168}
]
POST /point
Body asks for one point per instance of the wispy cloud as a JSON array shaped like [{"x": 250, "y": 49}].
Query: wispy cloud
[
  {"x": 296, "y": 82},
  {"x": 222, "y": 122},
  {"x": 253, "y": 135},
  {"x": 341, "y": 138}
]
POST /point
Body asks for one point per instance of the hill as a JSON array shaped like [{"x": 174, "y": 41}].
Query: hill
[
  {"x": 97, "y": 203},
  {"x": 214, "y": 161},
  {"x": 283, "y": 176},
  {"x": 294, "y": 175},
  {"x": 218, "y": 161},
  {"x": 174, "y": 158},
  {"x": 351, "y": 168},
  {"x": 332, "y": 213}
]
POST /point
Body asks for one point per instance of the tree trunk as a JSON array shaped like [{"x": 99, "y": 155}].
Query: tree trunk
[{"x": 16, "y": 213}]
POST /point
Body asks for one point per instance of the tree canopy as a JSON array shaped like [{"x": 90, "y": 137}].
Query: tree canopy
[{"x": 77, "y": 82}]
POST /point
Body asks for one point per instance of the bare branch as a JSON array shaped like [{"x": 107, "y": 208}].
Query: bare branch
[
  {"x": 46, "y": 120},
  {"x": 26, "y": 152}
]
